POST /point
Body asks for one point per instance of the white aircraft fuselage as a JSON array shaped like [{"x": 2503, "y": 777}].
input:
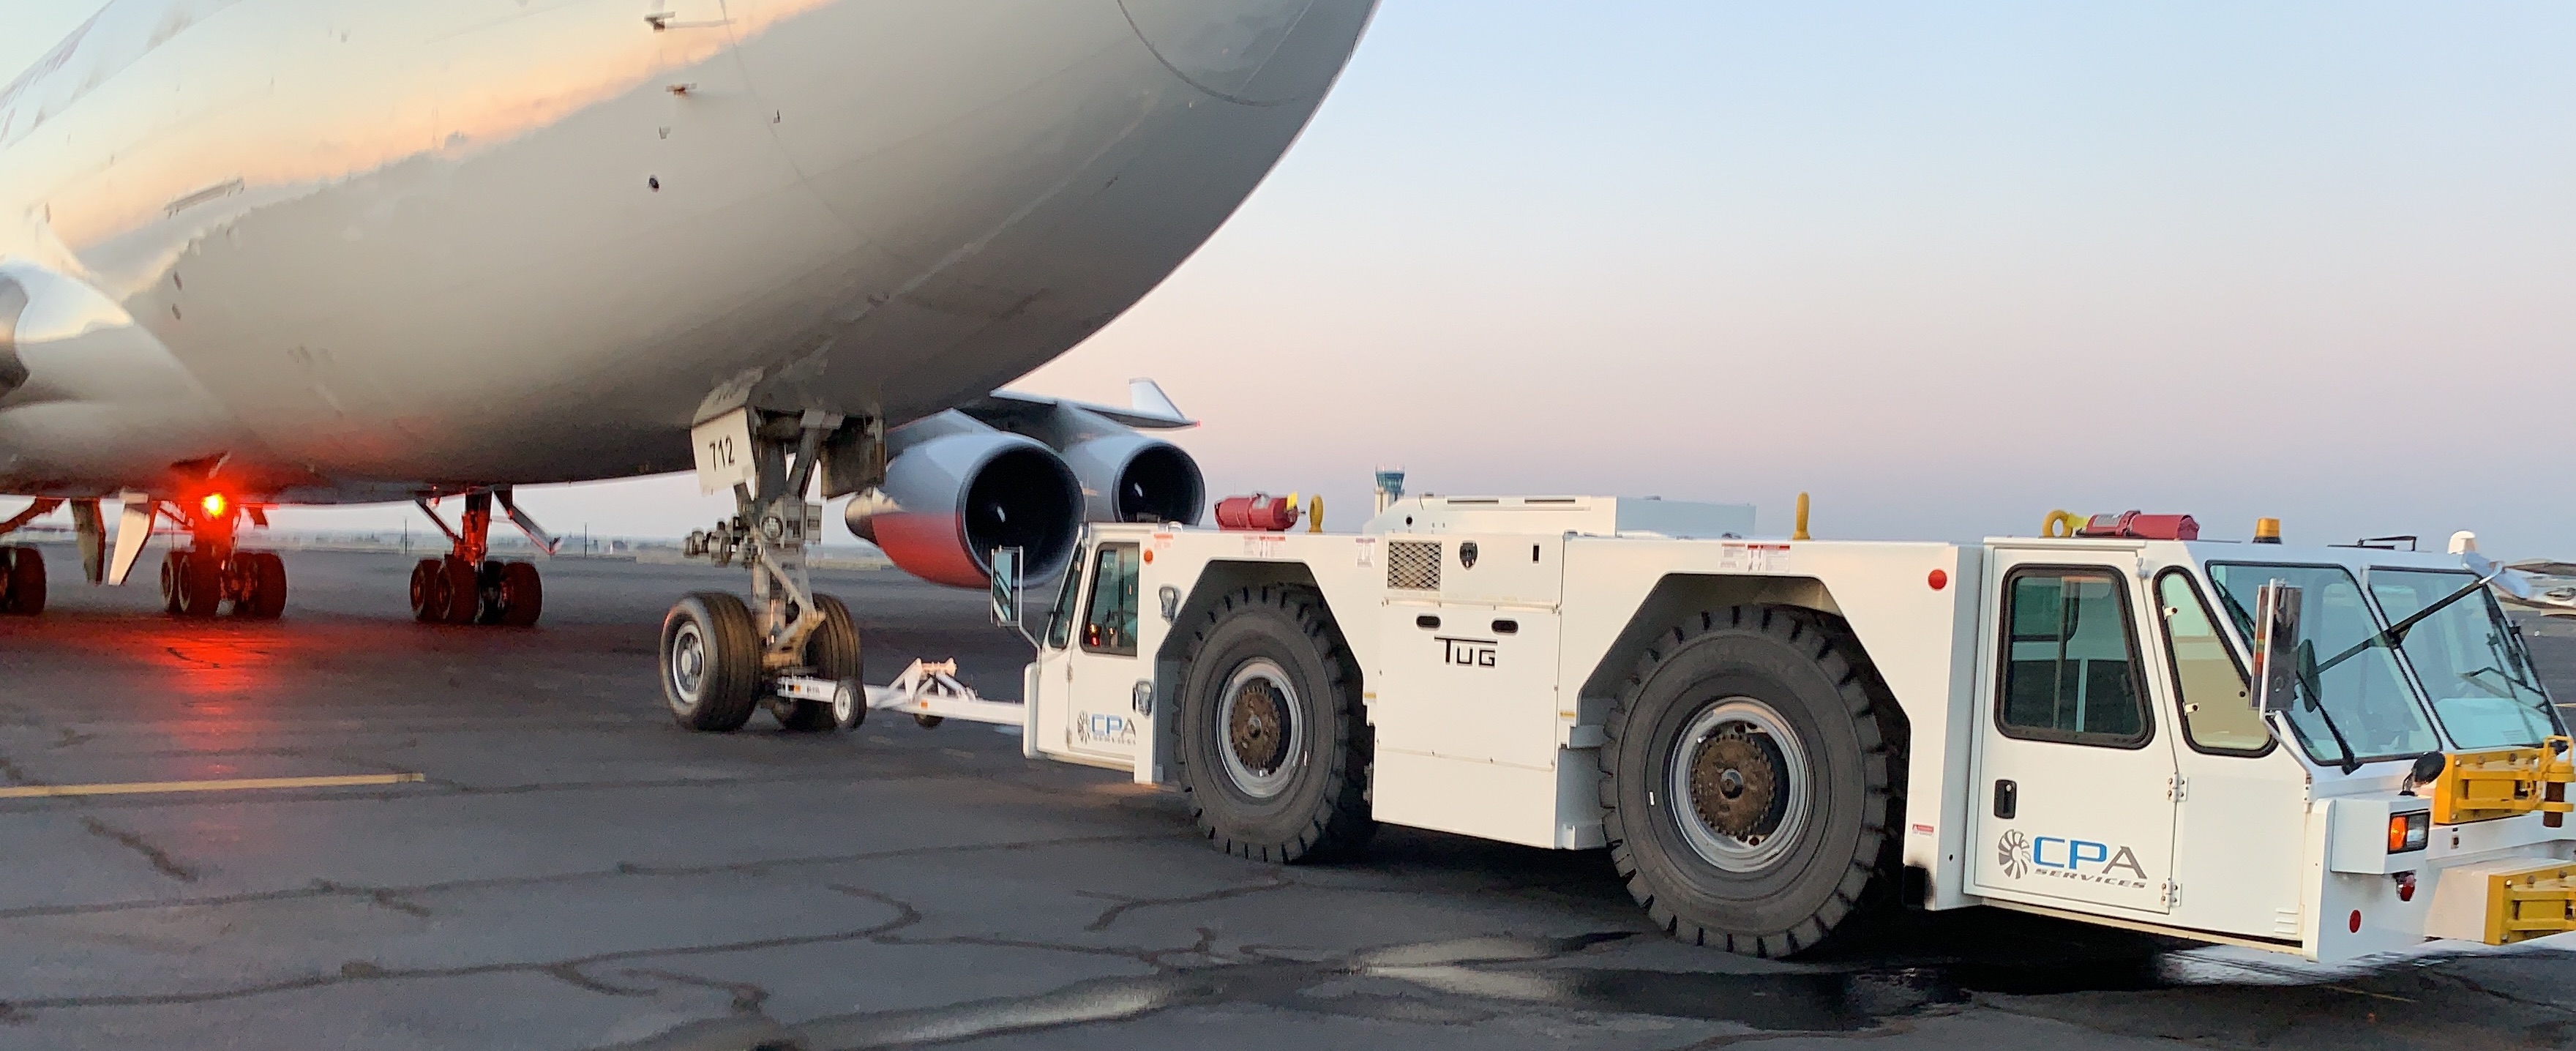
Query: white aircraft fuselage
[{"x": 346, "y": 250}]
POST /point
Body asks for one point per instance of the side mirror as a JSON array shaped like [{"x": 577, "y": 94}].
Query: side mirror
[
  {"x": 2276, "y": 646},
  {"x": 1006, "y": 587}
]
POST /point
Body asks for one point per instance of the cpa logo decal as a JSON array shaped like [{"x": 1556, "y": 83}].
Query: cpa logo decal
[
  {"x": 2077, "y": 860},
  {"x": 2013, "y": 853},
  {"x": 1101, "y": 728}
]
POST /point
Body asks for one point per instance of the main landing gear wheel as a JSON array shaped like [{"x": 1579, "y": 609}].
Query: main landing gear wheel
[
  {"x": 710, "y": 658},
  {"x": 453, "y": 591},
  {"x": 1275, "y": 747},
  {"x": 258, "y": 585},
  {"x": 428, "y": 591},
  {"x": 22, "y": 581},
  {"x": 518, "y": 594},
  {"x": 192, "y": 583},
  {"x": 1753, "y": 782}
]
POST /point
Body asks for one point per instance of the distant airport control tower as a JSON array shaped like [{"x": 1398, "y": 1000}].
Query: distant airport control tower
[{"x": 1390, "y": 488}]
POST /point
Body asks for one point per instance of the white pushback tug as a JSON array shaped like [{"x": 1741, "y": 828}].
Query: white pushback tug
[{"x": 1780, "y": 738}]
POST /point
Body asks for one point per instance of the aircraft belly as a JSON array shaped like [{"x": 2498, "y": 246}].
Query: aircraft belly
[{"x": 882, "y": 208}]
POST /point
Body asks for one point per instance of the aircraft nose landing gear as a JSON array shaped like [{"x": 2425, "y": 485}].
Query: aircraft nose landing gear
[
  {"x": 792, "y": 649},
  {"x": 469, "y": 587}
]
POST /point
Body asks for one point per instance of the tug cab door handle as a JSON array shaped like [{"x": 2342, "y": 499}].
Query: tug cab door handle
[{"x": 2007, "y": 799}]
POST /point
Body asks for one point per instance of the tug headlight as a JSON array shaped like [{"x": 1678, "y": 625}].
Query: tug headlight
[{"x": 2409, "y": 831}]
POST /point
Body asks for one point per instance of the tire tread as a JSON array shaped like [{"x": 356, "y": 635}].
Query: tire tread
[
  {"x": 1871, "y": 871},
  {"x": 1342, "y": 825}
]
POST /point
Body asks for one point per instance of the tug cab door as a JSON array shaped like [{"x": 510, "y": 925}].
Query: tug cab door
[
  {"x": 1088, "y": 670},
  {"x": 2074, "y": 776}
]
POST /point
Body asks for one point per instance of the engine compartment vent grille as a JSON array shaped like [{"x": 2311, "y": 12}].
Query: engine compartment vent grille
[{"x": 1413, "y": 565}]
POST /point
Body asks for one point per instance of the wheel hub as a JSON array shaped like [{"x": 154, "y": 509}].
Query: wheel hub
[
  {"x": 688, "y": 661},
  {"x": 1254, "y": 729},
  {"x": 1734, "y": 779},
  {"x": 1260, "y": 729},
  {"x": 1739, "y": 785}
]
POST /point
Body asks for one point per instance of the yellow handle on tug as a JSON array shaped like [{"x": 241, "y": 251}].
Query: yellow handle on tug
[{"x": 2070, "y": 520}]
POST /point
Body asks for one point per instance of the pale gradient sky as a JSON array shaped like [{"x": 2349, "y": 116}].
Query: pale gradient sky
[{"x": 1946, "y": 268}]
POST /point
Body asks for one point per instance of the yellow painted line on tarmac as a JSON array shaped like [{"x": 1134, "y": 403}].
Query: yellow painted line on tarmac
[{"x": 237, "y": 784}]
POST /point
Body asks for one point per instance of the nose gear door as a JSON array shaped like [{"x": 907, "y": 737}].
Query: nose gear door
[{"x": 2075, "y": 780}]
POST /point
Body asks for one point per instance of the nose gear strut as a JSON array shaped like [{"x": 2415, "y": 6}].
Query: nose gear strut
[{"x": 790, "y": 648}]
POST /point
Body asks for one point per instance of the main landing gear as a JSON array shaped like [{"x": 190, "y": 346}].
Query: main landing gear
[
  {"x": 22, "y": 567},
  {"x": 469, "y": 587},
  {"x": 211, "y": 571},
  {"x": 789, "y": 648}
]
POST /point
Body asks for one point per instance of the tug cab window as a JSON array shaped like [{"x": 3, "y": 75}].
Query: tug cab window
[
  {"x": 1060, "y": 616},
  {"x": 1109, "y": 626},
  {"x": 2217, "y": 704},
  {"x": 2070, "y": 665}
]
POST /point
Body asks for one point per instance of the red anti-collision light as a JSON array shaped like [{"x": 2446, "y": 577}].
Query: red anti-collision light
[
  {"x": 214, "y": 504},
  {"x": 1939, "y": 579}
]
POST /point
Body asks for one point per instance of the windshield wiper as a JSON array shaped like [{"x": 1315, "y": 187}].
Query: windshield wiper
[
  {"x": 2394, "y": 635},
  {"x": 2310, "y": 684}
]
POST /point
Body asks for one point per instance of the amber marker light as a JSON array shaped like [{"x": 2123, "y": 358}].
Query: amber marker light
[{"x": 2409, "y": 831}]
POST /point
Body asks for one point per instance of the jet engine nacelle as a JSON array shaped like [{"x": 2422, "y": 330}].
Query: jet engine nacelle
[
  {"x": 955, "y": 489},
  {"x": 1126, "y": 476}
]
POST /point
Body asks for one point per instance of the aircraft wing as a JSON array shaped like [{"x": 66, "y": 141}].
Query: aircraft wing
[
  {"x": 1148, "y": 409},
  {"x": 2553, "y": 587}
]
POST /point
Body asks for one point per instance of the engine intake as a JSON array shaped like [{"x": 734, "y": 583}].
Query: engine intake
[
  {"x": 956, "y": 489},
  {"x": 1133, "y": 478},
  {"x": 1126, "y": 476}
]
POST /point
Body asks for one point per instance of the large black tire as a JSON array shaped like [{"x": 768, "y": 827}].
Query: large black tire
[
  {"x": 264, "y": 595},
  {"x": 1281, "y": 773},
  {"x": 1754, "y": 782},
  {"x": 710, "y": 662},
  {"x": 464, "y": 590},
  {"x": 173, "y": 566},
  {"x": 25, "y": 588},
  {"x": 840, "y": 649},
  {"x": 200, "y": 584},
  {"x": 522, "y": 593},
  {"x": 428, "y": 592},
  {"x": 832, "y": 652}
]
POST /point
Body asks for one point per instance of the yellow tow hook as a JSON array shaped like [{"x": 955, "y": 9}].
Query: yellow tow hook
[{"x": 2505, "y": 782}]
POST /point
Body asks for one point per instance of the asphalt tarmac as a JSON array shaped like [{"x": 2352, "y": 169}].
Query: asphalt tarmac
[{"x": 575, "y": 871}]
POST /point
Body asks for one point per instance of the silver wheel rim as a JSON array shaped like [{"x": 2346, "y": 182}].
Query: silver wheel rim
[
  {"x": 1740, "y": 725},
  {"x": 845, "y": 702},
  {"x": 688, "y": 665},
  {"x": 1273, "y": 730}
]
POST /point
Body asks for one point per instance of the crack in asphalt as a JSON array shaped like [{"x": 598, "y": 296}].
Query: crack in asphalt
[
  {"x": 160, "y": 859},
  {"x": 361, "y": 971},
  {"x": 325, "y": 888},
  {"x": 1278, "y": 881}
]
